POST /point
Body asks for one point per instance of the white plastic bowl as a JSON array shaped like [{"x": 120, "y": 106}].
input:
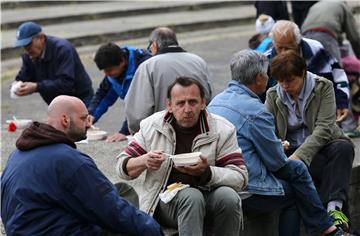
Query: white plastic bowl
[
  {"x": 96, "y": 134},
  {"x": 186, "y": 159},
  {"x": 20, "y": 123}
]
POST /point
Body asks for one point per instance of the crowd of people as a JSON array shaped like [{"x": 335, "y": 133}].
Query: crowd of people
[{"x": 272, "y": 140}]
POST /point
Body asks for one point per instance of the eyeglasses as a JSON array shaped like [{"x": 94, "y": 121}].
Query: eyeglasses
[{"x": 149, "y": 46}]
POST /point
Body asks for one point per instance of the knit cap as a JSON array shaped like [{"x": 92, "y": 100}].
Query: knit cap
[{"x": 264, "y": 24}]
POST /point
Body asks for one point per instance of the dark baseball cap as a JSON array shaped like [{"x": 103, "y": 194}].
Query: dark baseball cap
[{"x": 26, "y": 32}]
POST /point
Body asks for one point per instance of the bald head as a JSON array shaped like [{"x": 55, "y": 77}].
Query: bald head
[
  {"x": 64, "y": 105},
  {"x": 163, "y": 30},
  {"x": 66, "y": 113},
  {"x": 286, "y": 36},
  {"x": 163, "y": 37}
]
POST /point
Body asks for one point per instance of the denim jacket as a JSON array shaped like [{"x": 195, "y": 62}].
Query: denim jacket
[{"x": 262, "y": 150}]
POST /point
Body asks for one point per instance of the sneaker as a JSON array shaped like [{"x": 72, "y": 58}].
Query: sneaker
[
  {"x": 353, "y": 133},
  {"x": 339, "y": 218},
  {"x": 338, "y": 232}
]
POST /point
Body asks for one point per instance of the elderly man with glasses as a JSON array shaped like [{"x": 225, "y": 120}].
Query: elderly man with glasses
[{"x": 147, "y": 92}]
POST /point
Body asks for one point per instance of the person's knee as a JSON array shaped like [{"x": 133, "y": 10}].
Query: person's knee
[
  {"x": 192, "y": 198},
  {"x": 224, "y": 211},
  {"x": 121, "y": 186},
  {"x": 298, "y": 167},
  {"x": 190, "y": 211},
  {"x": 345, "y": 149},
  {"x": 226, "y": 198},
  {"x": 297, "y": 170},
  {"x": 128, "y": 192}
]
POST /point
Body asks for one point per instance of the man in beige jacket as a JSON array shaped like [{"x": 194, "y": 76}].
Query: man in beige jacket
[{"x": 214, "y": 181}]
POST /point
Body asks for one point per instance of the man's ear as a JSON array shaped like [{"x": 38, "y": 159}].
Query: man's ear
[
  {"x": 203, "y": 105},
  {"x": 155, "y": 47},
  {"x": 168, "y": 105},
  {"x": 65, "y": 121},
  {"x": 258, "y": 79},
  {"x": 42, "y": 38}
]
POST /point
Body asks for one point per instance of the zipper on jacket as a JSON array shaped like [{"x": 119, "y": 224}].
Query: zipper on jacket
[
  {"x": 284, "y": 112},
  {"x": 169, "y": 167},
  {"x": 156, "y": 200}
]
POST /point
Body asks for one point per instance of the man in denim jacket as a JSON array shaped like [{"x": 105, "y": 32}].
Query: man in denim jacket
[{"x": 274, "y": 181}]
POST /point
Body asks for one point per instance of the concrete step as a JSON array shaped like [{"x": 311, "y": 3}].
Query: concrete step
[
  {"x": 92, "y": 23},
  {"x": 10, "y": 4},
  {"x": 53, "y": 13},
  {"x": 120, "y": 28}
]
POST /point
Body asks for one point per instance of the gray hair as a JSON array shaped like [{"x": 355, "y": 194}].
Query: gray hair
[
  {"x": 284, "y": 28},
  {"x": 164, "y": 37},
  {"x": 246, "y": 64}
]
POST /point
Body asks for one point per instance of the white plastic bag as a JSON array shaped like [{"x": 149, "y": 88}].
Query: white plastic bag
[
  {"x": 169, "y": 194},
  {"x": 14, "y": 87}
]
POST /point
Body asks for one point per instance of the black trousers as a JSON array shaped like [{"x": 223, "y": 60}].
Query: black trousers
[
  {"x": 276, "y": 9},
  {"x": 331, "y": 168}
]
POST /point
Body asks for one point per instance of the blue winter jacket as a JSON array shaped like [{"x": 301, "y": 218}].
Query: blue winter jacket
[
  {"x": 111, "y": 89},
  {"x": 53, "y": 189},
  {"x": 262, "y": 150},
  {"x": 59, "y": 72}
]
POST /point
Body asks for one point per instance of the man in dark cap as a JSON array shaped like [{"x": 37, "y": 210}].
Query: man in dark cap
[
  {"x": 119, "y": 65},
  {"x": 51, "y": 66}
]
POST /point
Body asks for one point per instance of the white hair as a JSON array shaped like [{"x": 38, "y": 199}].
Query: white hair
[
  {"x": 246, "y": 64},
  {"x": 283, "y": 28}
]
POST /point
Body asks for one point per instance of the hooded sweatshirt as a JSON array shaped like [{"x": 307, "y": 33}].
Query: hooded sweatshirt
[
  {"x": 39, "y": 134},
  {"x": 50, "y": 188}
]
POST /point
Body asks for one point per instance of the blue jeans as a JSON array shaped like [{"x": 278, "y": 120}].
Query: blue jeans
[{"x": 300, "y": 199}]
